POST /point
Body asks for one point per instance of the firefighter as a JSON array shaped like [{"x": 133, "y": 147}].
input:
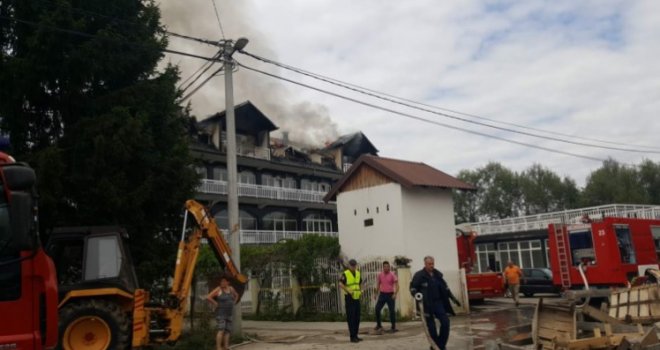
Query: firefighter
[
  {"x": 350, "y": 282},
  {"x": 436, "y": 295}
]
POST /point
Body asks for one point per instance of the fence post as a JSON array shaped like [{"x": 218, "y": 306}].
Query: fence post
[
  {"x": 253, "y": 286},
  {"x": 296, "y": 294},
  {"x": 405, "y": 302}
]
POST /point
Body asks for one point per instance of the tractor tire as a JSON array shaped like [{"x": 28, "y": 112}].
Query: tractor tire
[{"x": 93, "y": 325}]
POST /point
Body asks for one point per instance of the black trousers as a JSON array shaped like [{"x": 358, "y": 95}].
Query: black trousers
[
  {"x": 386, "y": 298},
  {"x": 352, "y": 315}
]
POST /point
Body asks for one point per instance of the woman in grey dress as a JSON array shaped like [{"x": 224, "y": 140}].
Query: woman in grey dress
[{"x": 223, "y": 299}]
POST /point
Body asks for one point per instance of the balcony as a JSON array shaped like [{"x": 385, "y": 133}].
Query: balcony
[
  {"x": 271, "y": 237},
  {"x": 249, "y": 151},
  {"x": 347, "y": 166},
  {"x": 259, "y": 191}
]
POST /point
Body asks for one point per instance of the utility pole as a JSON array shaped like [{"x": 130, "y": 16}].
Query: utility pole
[{"x": 232, "y": 191}]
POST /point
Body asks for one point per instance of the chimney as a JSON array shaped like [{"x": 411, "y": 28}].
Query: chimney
[{"x": 285, "y": 138}]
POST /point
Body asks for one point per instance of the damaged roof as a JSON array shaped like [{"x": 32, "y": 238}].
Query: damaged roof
[
  {"x": 249, "y": 119},
  {"x": 353, "y": 144},
  {"x": 408, "y": 174}
]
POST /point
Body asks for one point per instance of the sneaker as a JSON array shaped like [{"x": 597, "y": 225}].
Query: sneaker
[
  {"x": 354, "y": 340},
  {"x": 358, "y": 339},
  {"x": 393, "y": 330},
  {"x": 378, "y": 328}
]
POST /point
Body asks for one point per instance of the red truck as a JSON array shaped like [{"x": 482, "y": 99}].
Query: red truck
[
  {"x": 479, "y": 285},
  {"x": 28, "y": 286},
  {"x": 613, "y": 251}
]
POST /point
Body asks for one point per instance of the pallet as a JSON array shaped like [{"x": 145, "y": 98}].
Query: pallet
[
  {"x": 640, "y": 304},
  {"x": 553, "y": 323}
]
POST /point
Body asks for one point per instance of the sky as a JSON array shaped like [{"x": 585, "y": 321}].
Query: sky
[{"x": 587, "y": 69}]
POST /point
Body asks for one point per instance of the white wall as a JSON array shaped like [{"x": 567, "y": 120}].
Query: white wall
[
  {"x": 385, "y": 237},
  {"x": 429, "y": 229}
]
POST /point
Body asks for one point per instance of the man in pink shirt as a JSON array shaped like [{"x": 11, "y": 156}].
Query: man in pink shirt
[{"x": 387, "y": 285}]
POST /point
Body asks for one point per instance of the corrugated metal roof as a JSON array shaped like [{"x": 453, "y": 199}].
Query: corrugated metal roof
[{"x": 406, "y": 173}]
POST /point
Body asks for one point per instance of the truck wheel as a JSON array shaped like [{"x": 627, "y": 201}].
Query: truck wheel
[{"x": 93, "y": 325}]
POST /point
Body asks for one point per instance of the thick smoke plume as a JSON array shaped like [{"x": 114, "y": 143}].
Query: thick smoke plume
[{"x": 307, "y": 122}]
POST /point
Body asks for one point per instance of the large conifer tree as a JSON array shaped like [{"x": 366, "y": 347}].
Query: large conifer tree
[{"x": 84, "y": 103}]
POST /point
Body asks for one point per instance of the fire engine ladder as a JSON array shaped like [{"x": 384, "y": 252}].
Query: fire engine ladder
[{"x": 562, "y": 255}]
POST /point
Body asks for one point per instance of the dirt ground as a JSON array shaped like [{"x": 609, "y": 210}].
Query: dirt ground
[{"x": 487, "y": 322}]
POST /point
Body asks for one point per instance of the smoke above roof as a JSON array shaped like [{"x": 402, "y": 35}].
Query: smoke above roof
[{"x": 308, "y": 122}]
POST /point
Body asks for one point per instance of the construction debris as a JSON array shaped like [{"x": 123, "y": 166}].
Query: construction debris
[{"x": 625, "y": 323}]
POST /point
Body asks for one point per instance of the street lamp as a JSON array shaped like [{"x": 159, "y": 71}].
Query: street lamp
[{"x": 232, "y": 192}]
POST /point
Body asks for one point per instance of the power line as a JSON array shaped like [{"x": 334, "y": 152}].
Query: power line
[
  {"x": 217, "y": 15},
  {"x": 410, "y": 116},
  {"x": 210, "y": 64},
  {"x": 92, "y": 36},
  {"x": 201, "y": 84},
  {"x": 397, "y": 100}
]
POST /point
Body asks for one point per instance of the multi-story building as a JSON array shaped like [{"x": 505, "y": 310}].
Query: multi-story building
[{"x": 280, "y": 185}]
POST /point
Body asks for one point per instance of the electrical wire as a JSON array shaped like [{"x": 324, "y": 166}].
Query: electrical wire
[
  {"x": 210, "y": 64},
  {"x": 397, "y": 100},
  {"x": 217, "y": 15},
  {"x": 87, "y": 35},
  {"x": 201, "y": 84},
  {"x": 410, "y": 116}
]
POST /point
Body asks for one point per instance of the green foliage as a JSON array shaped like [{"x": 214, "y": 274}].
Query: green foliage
[
  {"x": 616, "y": 183},
  {"x": 97, "y": 121},
  {"x": 544, "y": 191},
  {"x": 503, "y": 193},
  {"x": 300, "y": 255}
]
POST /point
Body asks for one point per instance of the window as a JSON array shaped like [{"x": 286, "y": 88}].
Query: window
[
  {"x": 538, "y": 274},
  {"x": 219, "y": 174},
  {"x": 280, "y": 221},
  {"x": 526, "y": 254},
  {"x": 103, "y": 258},
  {"x": 247, "y": 177},
  {"x": 655, "y": 231},
  {"x": 368, "y": 222},
  {"x": 201, "y": 171},
  {"x": 582, "y": 246},
  {"x": 486, "y": 257},
  {"x": 278, "y": 181},
  {"x": 317, "y": 223},
  {"x": 68, "y": 258},
  {"x": 246, "y": 220},
  {"x": 624, "y": 242}
]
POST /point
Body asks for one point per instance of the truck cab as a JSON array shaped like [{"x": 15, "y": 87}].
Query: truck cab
[{"x": 28, "y": 288}]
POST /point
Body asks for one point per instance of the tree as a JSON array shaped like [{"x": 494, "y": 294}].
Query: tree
[
  {"x": 466, "y": 207},
  {"x": 99, "y": 123},
  {"x": 543, "y": 191},
  {"x": 614, "y": 183},
  {"x": 649, "y": 176}
]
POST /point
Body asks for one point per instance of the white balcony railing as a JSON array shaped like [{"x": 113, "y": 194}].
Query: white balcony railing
[
  {"x": 260, "y": 191},
  {"x": 271, "y": 237},
  {"x": 541, "y": 221}
]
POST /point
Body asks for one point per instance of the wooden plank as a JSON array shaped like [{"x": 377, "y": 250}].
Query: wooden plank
[
  {"x": 599, "y": 315},
  {"x": 650, "y": 337},
  {"x": 616, "y": 328}
]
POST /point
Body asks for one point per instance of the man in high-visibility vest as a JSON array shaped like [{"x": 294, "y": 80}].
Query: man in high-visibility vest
[{"x": 350, "y": 283}]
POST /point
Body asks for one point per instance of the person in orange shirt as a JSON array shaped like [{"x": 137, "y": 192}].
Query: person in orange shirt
[{"x": 512, "y": 274}]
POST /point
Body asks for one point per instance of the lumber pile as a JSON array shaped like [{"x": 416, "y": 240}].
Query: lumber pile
[{"x": 639, "y": 304}]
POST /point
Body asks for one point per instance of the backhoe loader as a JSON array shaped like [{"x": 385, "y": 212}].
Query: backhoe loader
[{"x": 100, "y": 303}]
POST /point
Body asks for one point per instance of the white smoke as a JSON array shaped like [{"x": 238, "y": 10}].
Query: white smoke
[{"x": 307, "y": 122}]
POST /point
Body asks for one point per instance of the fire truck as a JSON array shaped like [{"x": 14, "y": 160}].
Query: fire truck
[
  {"x": 607, "y": 252},
  {"x": 28, "y": 287},
  {"x": 479, "y": 285}
]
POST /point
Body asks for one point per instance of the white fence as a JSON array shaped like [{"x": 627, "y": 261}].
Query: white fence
[
  {"x": 271, "y": 237},
  {"x": 260, "y": 191},
  {"x": 281, "y": 289},
  {"x": 541, "y": 221}
]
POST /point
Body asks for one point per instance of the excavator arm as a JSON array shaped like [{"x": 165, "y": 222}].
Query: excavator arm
[{"x": 171, "y": 316}]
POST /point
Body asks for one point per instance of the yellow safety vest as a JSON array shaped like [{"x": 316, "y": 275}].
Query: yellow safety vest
[{"x": 353, "y": 283}]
